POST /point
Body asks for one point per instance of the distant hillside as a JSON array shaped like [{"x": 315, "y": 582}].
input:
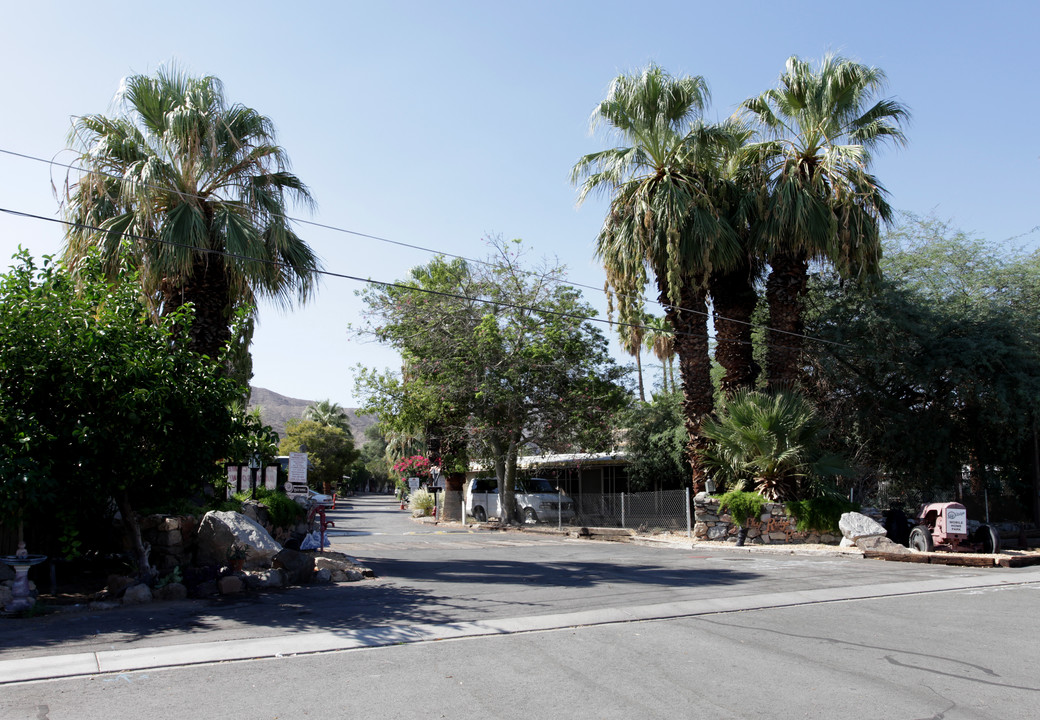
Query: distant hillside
[{"x": 276, "y": 410}]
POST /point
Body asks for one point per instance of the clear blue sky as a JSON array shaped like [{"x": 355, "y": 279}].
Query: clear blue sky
[{"x": 440, "y": 123}]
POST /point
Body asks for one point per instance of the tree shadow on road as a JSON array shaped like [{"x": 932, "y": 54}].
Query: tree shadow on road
[{"x": 407, "y": 592}]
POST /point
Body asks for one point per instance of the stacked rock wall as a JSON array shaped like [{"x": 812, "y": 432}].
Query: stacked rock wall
[{"x": 774, "y": 527}]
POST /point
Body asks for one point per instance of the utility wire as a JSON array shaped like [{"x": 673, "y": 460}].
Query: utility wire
[
  {"x": 369, "y": 281},
  {"x": 433, "y": 251}
]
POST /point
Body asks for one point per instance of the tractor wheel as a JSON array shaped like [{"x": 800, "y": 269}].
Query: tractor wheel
[
  {"x": 989, "y": 537},
  {"x": 479, "y": 515},
  {"x": 921, "y": 539}
]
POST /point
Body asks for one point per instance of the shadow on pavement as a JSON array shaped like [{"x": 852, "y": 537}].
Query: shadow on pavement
[{"x": 460, "y": 590}]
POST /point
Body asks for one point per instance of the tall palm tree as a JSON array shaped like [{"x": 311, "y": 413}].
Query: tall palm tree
[
  {"x": 662, "y": 221},
  {"x": 660, "y": 340},
  {"x": 821, "y": 125},
  {"x": 192, "y": 192},
  {"x": 327, "y": 412},
  {"x": 630, "y": 336}
]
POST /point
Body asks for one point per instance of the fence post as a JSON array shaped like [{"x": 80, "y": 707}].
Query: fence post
[
  {"x": 622, "y": 509},
  {"x": 559, "y": 508},
  {"x": 689, "y": 526},
  {"x": 463, "y": 496}
]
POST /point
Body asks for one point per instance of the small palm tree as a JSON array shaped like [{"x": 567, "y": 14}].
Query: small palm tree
[
  {"x": 771, "y": 442},
  {"x": 191, "y": 191},
  {"x": 327, "y": 412}
]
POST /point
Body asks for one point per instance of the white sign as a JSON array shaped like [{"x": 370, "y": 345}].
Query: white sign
[
  {"x": 956, "y": 520},
  {"x": 298, "y": 468},
  {"x": 413, "y": 484}
]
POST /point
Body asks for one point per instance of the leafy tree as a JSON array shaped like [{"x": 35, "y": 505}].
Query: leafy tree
[
  {"x": 330, "y": 450},
  {"x": 936, "y": 369},
  {"x": 772, "y": 443},
  {"x": 494, "y": 355},
  {"x": 177, "y": 180},
  {"x": 664, "y": 221},
  {"x": 98, "y": 405},
  {"x": 327, "y": 412},
  {"x": 821, "y": 125},
  {"x": 656, "y": 443}
]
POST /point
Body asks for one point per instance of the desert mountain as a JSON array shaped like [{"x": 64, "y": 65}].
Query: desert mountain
[{"x": 276, "y": 410}]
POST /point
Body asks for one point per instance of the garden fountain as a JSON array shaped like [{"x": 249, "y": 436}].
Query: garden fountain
[{"x": 21, "y": 561}]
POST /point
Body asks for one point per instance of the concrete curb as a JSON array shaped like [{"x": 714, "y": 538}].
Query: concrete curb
[{"x": 118, "y": 661}]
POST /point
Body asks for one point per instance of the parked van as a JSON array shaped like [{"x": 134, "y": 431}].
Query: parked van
[{"x": 536, "y": 500}]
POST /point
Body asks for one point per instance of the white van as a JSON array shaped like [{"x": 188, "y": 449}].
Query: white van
[{"x": 536, "y": 500}]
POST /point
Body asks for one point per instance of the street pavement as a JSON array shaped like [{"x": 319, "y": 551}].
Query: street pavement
[{"x": 736, "y": 615}]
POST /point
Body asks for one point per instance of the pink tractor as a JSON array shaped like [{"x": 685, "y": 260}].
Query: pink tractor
[{"x": 944, "y": 526}]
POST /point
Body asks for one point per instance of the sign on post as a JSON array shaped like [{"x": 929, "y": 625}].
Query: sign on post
[{"x": 298, "y": 468}]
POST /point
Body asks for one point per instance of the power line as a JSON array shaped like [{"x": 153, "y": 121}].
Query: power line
[
  {"x": 398, "y": 243},
  {"x": 368, "y": 281}
]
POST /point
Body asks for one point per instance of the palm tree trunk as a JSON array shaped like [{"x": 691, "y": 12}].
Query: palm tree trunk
[
  {"x": 734, "y": 300},
  {"x": 691, "y": 346},
  {"x": 639, "y": 373},
  {"x": 208, "y": 290},
  {"x": 784, "y": 292}
]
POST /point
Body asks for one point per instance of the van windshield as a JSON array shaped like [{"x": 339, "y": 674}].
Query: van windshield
[{"x": 536, "y": 485}]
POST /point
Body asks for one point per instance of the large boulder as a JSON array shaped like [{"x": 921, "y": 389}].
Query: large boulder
[
  {"x": 219, "y": 530},
  {"x": 856, "y": 525}
]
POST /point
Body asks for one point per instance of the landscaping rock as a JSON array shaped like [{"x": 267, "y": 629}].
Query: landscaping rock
[
  {"x": 856, "y": 525},
  {"x": 219, "y": 530},
  {"x": 117, "y": 584},
  {"x": 172, "y": 591},
  {"x": 881, "y": 544},
  {"x": 230, "y": 585},
  {"x": 323, "y": 576},
  {"x": 298, "y": 566},
  {"x": 137, "y": 595}
]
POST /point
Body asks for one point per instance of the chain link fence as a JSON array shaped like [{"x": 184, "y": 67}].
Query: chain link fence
[
  {"x": 666, "y": 510},
  {"x": 662, "y": 511}
]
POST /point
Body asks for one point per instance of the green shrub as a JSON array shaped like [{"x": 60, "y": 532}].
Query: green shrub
[
  {"x": 821, "y": 513},
  {"x": 421, "y": 503},
  {"x": 284, "y": 511},
  {"x": 742, "y": 506}
]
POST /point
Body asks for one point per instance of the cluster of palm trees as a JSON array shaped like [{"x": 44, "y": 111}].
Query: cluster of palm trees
[{"x": 706, "y": 211}]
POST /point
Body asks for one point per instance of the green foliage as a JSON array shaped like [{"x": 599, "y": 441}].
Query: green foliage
[
  {"x": 327, "y": 412},
  {"x": 820, "y": 513},
  {"x": 173, "y": 577},
  {"x": 496, "y": 358},
  {"x": 252, "y": 438},
  {"x": 656, "y": 443},
  {"x": 181, "y": 163},
  {"x": 98, "y": 402},
  {"x": 284, "y": 511},
  {"x": 772, "y": 442},
  {"x": 330, "y": 450},
  {"x": 742, "y": 506},
  {"x": 937, "y": 368}
]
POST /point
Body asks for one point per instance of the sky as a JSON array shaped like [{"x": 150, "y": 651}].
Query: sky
[{"x": 442, "y": 124}]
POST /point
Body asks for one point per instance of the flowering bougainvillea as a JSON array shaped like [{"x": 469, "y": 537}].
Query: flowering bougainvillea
[{"x": 414, "y": 466}]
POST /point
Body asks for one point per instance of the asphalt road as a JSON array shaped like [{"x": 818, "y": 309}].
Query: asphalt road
[{"x": 740, "y": 635}]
